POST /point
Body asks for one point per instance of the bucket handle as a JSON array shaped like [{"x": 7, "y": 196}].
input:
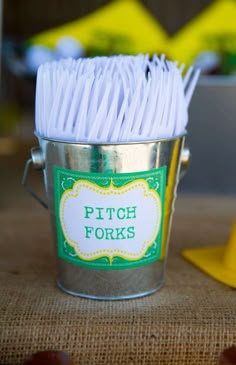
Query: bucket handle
[
  {"x": 185, "y": 158},
  {"x": 38, "y": 163}
]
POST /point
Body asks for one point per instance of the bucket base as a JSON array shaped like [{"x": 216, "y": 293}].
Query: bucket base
[
  {"x": 124, "y": 297},
  {"x": 110, "y": 284}
]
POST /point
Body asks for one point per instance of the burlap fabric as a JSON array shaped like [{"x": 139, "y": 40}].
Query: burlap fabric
[{"x": 189, "y": 321}]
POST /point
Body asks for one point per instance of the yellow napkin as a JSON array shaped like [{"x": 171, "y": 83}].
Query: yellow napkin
[
  {"x": 127, "y": 22},
  {"x": 218, "y": 261},
  {"x": 201, "y": 34}
]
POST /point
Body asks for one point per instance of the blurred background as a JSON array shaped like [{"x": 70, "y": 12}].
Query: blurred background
[
  {"x": 23, "y": 18},
  {"x": 178, "y": 27}
]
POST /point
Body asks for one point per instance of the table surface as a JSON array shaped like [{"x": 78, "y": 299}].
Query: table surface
[{"x": 190, "y": 321}]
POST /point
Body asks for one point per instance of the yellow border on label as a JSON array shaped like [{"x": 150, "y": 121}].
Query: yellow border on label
[{"x": 110, "y": 190}]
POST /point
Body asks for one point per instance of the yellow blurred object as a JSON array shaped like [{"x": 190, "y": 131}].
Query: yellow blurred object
[
  {"x": 209, "y": 30},
  {"x": 219, "y": 262},
  {"x": 10, "y": 117},
  {"x": 8, "y": 146},
  {"x": 124, "y": 25}
]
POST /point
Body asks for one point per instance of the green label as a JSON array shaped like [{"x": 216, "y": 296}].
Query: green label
[{"x": 109, "y": 221}]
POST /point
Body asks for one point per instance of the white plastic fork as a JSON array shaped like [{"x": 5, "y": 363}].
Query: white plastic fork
[{"x": 113, "y": 99}]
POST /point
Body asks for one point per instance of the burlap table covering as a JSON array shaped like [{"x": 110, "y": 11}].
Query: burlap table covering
[{"x": 189, "y": 321}]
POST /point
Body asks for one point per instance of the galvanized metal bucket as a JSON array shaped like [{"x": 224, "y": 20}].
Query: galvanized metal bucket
[{"x": 111, "y": 209}]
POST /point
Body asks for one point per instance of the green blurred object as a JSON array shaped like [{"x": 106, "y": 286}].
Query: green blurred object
[
  {"x": 229, "y": 64},
  {"x": 225, "y": 44},
  {"x": 221, "y": 61}
]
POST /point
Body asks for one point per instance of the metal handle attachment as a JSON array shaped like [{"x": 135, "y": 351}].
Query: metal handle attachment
[
  {"x": 185, "y": 160},
  {"x": 38, "y": 163}
]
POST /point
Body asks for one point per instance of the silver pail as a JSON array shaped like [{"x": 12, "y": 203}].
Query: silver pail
[{"x": 111, "y": 207}]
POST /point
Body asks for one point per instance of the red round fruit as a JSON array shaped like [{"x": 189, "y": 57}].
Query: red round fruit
[{"x": 49, "y": 358}]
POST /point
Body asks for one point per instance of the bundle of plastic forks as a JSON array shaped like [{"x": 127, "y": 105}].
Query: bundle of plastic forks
[{"x": 113, "y": 99}]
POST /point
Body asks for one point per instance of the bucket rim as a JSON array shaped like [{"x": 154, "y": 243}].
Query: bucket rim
[{"x": 111, "y": 143}]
